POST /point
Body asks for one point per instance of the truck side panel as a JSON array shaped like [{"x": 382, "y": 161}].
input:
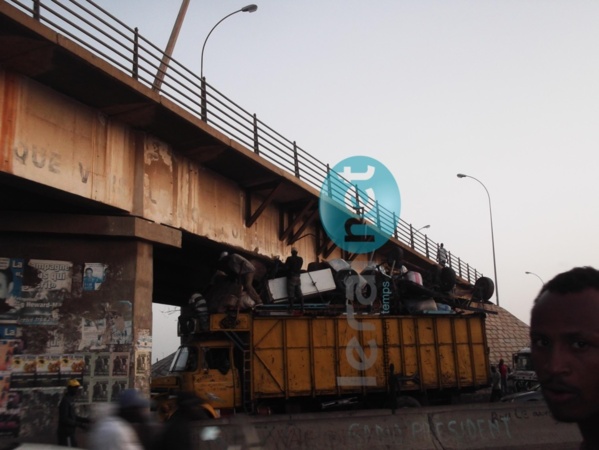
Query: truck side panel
[
  {"x": 302, "y": 356},
  {"x": 445, "y": 352}
]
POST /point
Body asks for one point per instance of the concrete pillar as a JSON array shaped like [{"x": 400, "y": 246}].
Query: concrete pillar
[{"x": 142, "y": 316}]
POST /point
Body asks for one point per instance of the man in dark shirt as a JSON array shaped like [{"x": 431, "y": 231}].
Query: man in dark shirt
[
  {"x": 177, "y": 432},
  {"x": 68, "y": 420},
  {"x": 565, "y": 349},
  {"x": 293, "y": 267},
  {"x": 503, "y": 374}
]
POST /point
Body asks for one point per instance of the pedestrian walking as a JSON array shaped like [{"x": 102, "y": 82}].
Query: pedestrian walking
[
  {"x": 442, "y": 255},
  {"x": 68, "y": 419},
  {"x": 495, "y": 384}
]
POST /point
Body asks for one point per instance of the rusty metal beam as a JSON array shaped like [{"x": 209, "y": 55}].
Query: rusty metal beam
[
  {"x": 250, "y": 218},
  {"x": 349, "y": 256},
  {"x": 263, "y": 186},
  {"x": 289, "y": 230},
  {"x": 324, "y": 248},
  {"x": 307, "y": 222}
]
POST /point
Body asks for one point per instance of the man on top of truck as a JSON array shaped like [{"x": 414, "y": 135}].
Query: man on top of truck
[
  {"x": 293, "y": 267},
  {"x": 236, "y": 266}
]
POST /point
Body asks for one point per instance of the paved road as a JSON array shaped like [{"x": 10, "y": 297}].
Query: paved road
[{"x": 492, "y": 425}]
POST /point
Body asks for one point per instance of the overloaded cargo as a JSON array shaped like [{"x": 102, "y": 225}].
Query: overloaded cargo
[{"x": 391, "y": 342}]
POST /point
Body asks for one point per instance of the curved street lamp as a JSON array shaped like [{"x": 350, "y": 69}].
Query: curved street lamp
[
  {"x": 248, "y": 8},
  {"x": 532, "y": 273},
  {"x": 461, "y": 175},
  {"x": 423, "y": 228},
  {"x": 203, "y": 102}
]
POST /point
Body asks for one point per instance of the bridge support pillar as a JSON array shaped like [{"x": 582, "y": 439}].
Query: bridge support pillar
[{"x": 75, "y": 302}]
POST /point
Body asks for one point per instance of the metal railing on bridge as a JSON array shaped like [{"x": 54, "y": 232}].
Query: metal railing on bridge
[{"x": 104, "y": 35}]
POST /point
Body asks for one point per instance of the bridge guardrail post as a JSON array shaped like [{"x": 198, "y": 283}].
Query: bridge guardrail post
[
  {"x": 295, "y": 160},
  {"x": 256, "y": 143},
  {"x": 135, "y": 68},
  {"x": 203, "y": 111},
  {"x": 37, "y": 10}
]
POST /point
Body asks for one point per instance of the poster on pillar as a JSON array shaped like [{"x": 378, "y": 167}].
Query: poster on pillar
[
  {"x": 93, "y": 276},
  {"x": 99, "y": 390},
  {"x": 111, "y": 330},
  {"x": 46, "y": 285},
  {"x": 23, "y": 371},
  {"x": 47, "y": 371},
  {"x": 4, "y": 389},
  {"x": 11, "y": 282},
  {"x": 120, "y": 364},
  {"x": 72, "y": 366},
  {"x": 116, "y": 388}
]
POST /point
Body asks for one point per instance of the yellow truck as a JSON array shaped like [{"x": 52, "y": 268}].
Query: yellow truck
[{"x": 284, "y": 362}]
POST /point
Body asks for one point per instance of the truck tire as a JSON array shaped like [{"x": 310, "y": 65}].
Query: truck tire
[
  {"x": 187, "y": 325},
  {"x": 405, "y": 401},
  {"x": 447, "y": 279},
  {"x": 484, "y": 288}
]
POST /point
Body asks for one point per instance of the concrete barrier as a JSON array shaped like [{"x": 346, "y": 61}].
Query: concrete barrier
[{"x": 493, "y": 425}]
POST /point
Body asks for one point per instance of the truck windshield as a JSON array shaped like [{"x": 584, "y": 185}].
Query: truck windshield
[
  {"x": 185, "y": 360},
  {"x": 523, "y": 362},
  {"x": 217, "y": 358}
]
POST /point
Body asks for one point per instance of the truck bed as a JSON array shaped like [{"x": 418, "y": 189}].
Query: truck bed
[{"x": 294, "y": 356}]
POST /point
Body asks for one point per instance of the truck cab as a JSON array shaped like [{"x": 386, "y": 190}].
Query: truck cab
[
  {"x": 523, "y": 376},
  {"x": 208, "y": 369}
]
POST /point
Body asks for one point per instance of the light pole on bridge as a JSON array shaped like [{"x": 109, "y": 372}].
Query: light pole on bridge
[
  {"x": 461, "y": 175},
  {"x": 249, "y": 8},
  {"x": 540, "y": 279}
]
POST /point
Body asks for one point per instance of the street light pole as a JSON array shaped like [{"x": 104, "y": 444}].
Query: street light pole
[
  {"x": 461, "y": 175},
  {"x": 413, "y": 232},
  {"x": 532, "y": 273},
  {"x": 248, "y": 8}
]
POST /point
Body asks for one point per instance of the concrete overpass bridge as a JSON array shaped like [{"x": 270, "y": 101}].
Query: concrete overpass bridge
[
  {"x": 87, "y": 130},
  {"x": 145, "y": 182}
]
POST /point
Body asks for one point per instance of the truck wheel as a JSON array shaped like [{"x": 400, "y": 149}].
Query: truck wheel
[
  {"x": 405, "y": 401},
  {"x": 186, "y": 325},
  {"x": 484, "y": 288},
  {"x": 447, "y": 279}
]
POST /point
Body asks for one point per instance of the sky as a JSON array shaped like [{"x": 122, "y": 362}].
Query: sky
[{"x": 504, "y": 91}]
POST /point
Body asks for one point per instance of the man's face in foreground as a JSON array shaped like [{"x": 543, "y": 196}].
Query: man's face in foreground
[{"x": 564, "y": 331}]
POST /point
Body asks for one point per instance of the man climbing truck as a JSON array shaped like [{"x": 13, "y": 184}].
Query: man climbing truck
[{"x": 272, "y": 359}]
